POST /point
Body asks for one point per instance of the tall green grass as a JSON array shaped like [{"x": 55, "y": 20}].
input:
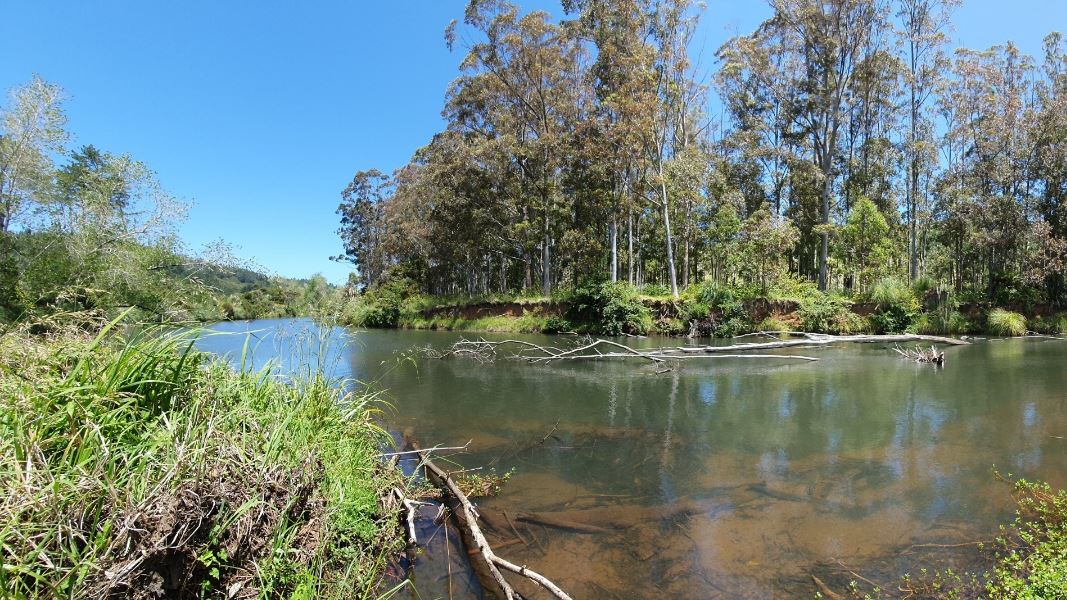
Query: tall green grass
[
  {"x": 127, "y": 459},
  {"x": 1005, "y": 323}
]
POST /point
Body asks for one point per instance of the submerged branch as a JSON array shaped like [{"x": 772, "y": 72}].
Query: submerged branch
[{"x": 484, "y": 561}]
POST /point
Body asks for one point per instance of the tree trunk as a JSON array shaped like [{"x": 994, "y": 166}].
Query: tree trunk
[
  {"x": 546, "y": 258},
  {"x": 613, "y": 239},
  {"x": 667, "y": 230},
  {"x": 824, "y": 246},
  {"x": 630, "y": 244}
]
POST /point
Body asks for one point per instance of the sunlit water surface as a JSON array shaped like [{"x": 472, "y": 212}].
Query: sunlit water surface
[{"x": 732, "y": 478}]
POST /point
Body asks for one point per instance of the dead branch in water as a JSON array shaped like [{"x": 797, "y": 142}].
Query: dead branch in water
[
  {"x": 922, "y": 355},
  {"x": 484, "y": 562},
  {"x": 485, "y": 351},
  {"x": 821, "y": 339}
]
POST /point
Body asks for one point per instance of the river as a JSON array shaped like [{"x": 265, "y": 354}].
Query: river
[{"x": 731, "y": 478}]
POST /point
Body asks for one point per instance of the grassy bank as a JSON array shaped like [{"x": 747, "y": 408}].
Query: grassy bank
[
  {"x": 134, "y": 467},
  {"x": 707, "y": 309}
]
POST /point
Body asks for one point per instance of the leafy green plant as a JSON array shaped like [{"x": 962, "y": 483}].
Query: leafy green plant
[
  {"x": 724, "y": 308},
  {"x": 830, "y": 314},
  {"x": 1052, "y": 324},
  {"x": 773, "y": 323},
  {"x": 383, "y": 305},
  {"x": 1005, "y": 323},
  {"x": 1033, "y": 564},
  {"x": 895, "y": 306},
  {"x": 655, "y": 289},
  {"x": 608, "y": 308},
  {"x": 945, "y": 321}
]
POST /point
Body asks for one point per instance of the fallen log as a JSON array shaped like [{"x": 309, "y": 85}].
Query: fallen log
[
  {"x": 486, "y": 351},
  {"x": 484, "y": 562},
  {"x": 822, "y": 339}
]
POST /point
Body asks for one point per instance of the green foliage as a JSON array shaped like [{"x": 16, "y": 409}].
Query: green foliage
[
  {"x": 608, "y": 308},
  {"x": 1051, "y": 325},
  {"x": 123, "y": 432},
  {"x": 773, "y": 323},
  {"x": 382, "y": 305},
  {"x": 1034, "y": 567},
  {"x": 922, "y": 285},
  {"x": 709, "y": 293},
  {"x": 1005, "y": 323},
  {"x": 529, "y": 322},
  {"x": 864, "y": 245},
  {"x": 830, "y": 314},
  {"x": 656, "y": 290},
  {"x": 791, "y": 287},
  {"x": 946, "y": 321},
  {"x": 896, "y": 306},
  {"x": 723, "y": 307}
]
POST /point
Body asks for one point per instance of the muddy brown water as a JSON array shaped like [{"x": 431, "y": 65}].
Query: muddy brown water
[{"x": 731, "y": 478}]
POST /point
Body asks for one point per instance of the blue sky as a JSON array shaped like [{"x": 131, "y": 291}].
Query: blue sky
[{"x": 260, "y": 112}]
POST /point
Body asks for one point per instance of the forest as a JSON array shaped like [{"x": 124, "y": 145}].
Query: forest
[{"x": 855, "y": 149}]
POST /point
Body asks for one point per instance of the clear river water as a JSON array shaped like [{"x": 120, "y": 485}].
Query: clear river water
[{"x": 731, "y": 478}]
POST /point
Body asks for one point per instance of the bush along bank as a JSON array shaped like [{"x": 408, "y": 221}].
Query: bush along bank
[
  {"x": 135, "y": 467},
  {"x": 703, "y": 310}
]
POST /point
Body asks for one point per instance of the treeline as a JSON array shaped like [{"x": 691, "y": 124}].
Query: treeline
[
  {"x": 853, "y": 147},
  {"x": 85, "y": 229}
]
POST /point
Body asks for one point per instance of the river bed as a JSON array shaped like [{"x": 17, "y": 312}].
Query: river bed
[{"x": 731, "y": 478}]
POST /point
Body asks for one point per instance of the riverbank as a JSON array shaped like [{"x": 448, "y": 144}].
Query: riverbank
[
  {"x": 136, "y": 467},
  {"x": 703, "y": 310}
]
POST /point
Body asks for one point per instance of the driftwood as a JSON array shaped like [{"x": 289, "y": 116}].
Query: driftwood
[
  {"x": 484, "y": 562},
  {"x": 601, "y": 349},
  {"x": 922, "y": 355},
  {"x": 820, "y": 339}
]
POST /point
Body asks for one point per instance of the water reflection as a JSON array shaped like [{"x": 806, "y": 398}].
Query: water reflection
[{"x": 726, "y": 477}]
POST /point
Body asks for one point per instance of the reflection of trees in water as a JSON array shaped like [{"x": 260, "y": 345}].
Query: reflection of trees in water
[{"x": 861, "y": 453}]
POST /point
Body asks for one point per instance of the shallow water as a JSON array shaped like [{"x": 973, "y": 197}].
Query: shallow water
[{"x": 726, "y": 477}]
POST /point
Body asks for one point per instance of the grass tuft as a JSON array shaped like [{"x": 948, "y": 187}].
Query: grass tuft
[
  {"x": 1006, "y": 323},
  {"x": 132, "y": 463}
]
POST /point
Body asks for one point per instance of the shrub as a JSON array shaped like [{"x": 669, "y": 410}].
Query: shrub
[
  {"x": 774, "y": 323},
  {"x": 382, "y": 305},
  {"x": 1005, "y": 323},
  {"x": 791, "y": 287},
  {"x": 711, "y": 294},
  {"x": 556, "y": 325},
  {"x": 922, "y": 285},
  {"x": 655, "y": 289},
  {"x": 830, "y": 314},
  {"x": 1054, "y": 324},
  {"x": 733, "y": 320},
  {"x": 723, "y": 307},
  {"x": 1035, "y": 566},
  {"x": 608, "y": 308},
  {"x": 695, "y": 310},
  {"x": 896, "y": 306},
  {"x": 942, "y": 322}
]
